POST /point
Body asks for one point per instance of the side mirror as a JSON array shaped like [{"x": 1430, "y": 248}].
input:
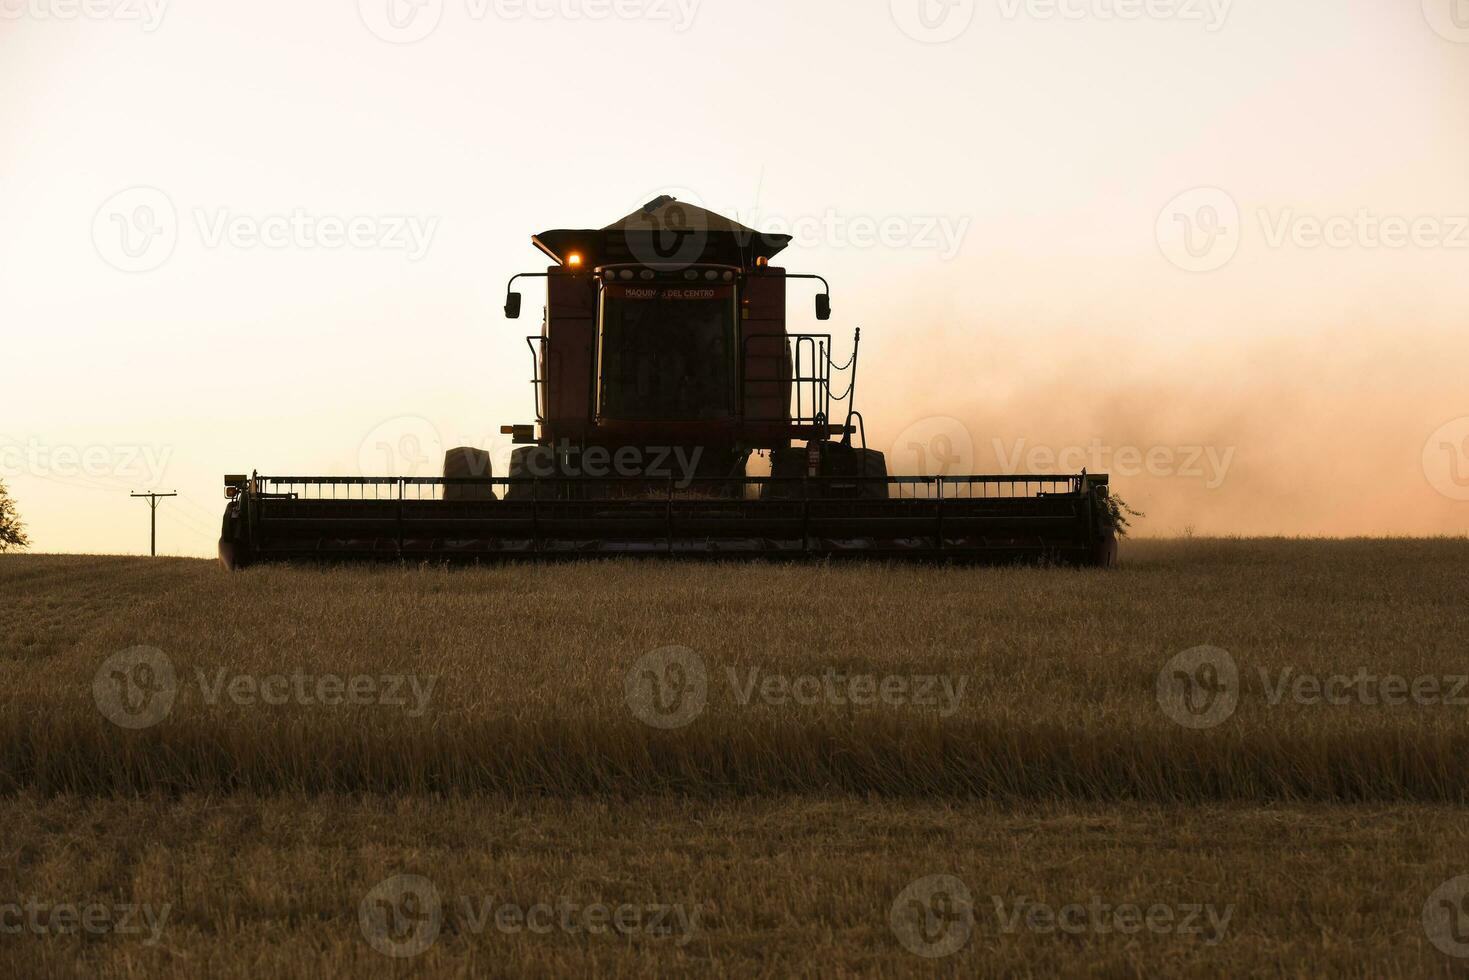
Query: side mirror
[
  {"x": 512, "y": 306},
  {"x": 823, "y": 307}
]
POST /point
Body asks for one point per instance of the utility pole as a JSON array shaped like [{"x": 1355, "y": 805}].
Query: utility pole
[{"x": 153, "y": 499}]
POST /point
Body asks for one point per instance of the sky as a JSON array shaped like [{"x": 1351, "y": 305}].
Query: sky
[{"x": 1216, "y": 248}]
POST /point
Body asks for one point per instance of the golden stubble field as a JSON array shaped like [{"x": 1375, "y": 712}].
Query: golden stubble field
[{"x": 1252, "y": 749}]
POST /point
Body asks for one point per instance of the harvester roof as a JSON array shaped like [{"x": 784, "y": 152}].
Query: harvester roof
[{"x": 664, "y": 229}]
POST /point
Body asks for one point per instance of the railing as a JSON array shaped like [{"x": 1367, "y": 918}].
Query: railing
[
  {"x": 344, "y": 488},
  {"x": 538, "y": 347},
  {"x": 805, "y": 363}
]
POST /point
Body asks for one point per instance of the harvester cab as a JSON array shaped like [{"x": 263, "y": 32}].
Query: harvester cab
[
  {"x": 663, "y": 365},
  {"x": 664, "y": 337}
]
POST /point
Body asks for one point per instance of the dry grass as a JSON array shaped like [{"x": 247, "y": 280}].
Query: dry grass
[
  {"x": 787, "y": 831},
  {"x": 780, "y": 887},
  {"x": 1059, "y": 668}
]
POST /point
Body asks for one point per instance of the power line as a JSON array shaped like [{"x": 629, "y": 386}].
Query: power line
[{"x": 153, "y": 499}]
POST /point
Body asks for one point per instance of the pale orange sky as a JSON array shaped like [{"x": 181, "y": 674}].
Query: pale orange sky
[{"x": 1027, "y": 293}]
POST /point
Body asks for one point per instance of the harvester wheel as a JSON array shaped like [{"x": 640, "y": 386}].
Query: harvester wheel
[
  {"x": 468, "y": 464},
  {"x": 837, "y": 460},
  {"x": 234, "y": 554},
  {"x": 534, "y": 462}
]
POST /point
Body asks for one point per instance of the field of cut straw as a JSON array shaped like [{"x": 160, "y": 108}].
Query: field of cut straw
[{"x": 396, "y": 768}]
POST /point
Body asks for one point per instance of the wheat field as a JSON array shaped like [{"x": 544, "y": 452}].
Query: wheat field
[{"x": 1270, "y": 731}]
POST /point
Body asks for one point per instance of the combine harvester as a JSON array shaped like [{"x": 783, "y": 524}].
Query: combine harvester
[{"x": 663, "y": 363}]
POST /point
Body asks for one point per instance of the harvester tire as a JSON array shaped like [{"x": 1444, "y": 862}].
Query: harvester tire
[
  {"x": 468, "y": 464},
  {"x": 234, "y": 554},
  {"x": 534, "y": 462},
  {"x": 837, "y": 460}
]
